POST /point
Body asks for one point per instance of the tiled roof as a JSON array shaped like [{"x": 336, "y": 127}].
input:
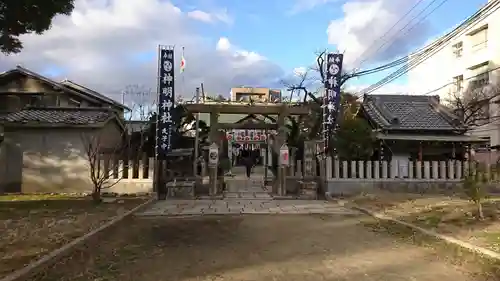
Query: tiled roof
[
  {"x": 233, "y": 118},
  {"x": 406, "y": 112},
  {"x": 74, "y": 86},
  {"x": 58, "y": 116},
  {"x": 66, "y": 85}
]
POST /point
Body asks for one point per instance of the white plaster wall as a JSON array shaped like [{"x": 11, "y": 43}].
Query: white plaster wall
[
  {"x": 49, "y": 160},
  {"x": 439, "y": 69}
]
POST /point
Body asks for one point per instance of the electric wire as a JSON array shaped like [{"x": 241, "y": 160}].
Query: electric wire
[
  {"x": 426, "y": 53},
  {"x": 405, "y": 58},
  {"x": 433, "y": 48},
  {"x": 469, "y": 78},
  {"x": 387, "y": 32}
]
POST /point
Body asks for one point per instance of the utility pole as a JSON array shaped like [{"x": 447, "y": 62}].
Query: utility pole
[
  {"x": 196, "y": 136},
  {"x": 202, "y": 93}
]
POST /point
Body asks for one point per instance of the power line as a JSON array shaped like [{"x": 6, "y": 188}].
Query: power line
[
  {"x": 405, "y": 58},
  {"x": 387, "y": 32},
  {"x": 472, "y": 77},
  {"x": 423, "y": 55},
  {"x": 407, "y": 24},
  {"x": 441, "y": 43},
  {"x": 381, "y": 68}
]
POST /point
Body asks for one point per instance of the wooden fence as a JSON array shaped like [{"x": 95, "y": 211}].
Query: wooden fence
[
  {"x": 346, "y": 170},
  {"x": 139, "y": 169},
  {"x": 381, "y": 170},
  {"x": 452, "y": 170}
]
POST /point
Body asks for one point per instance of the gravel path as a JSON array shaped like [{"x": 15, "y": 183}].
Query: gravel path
[{"x": 254, "y": 247}]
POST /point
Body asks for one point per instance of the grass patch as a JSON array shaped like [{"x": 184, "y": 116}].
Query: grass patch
[
  {"x": 33, "y": 225},
  {"x": 452, "y": 216},
  {"x": 489, "y": 268},
  {"x": 35, "y": 197}
]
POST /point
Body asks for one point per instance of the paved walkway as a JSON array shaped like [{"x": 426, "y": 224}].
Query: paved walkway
[
  {"x": 241, "y": 187},
  {"x": 242, "y": 206},
  {"x": 243, "y": 196}
]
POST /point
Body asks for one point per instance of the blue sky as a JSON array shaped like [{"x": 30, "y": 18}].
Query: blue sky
[
  {"x": 108, "y": 55},
  {"x": 290, "y": 40}
]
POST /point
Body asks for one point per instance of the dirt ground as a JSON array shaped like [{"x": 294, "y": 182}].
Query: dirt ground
[
  {"x": 32, "y": 226},
  {"x": 255, "y": 247}
]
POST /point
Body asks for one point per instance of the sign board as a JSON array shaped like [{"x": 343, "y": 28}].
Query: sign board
[
  {"x": 166, "y": 101},
  {"x": 213, "y": 155},
  {"x": 331, "y": 99},
  {"x": 309, "y": 158},
  {"x": 284, "y": 155}
]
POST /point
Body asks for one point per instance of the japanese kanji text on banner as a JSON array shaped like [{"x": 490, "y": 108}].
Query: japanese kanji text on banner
[
  {"x": 331, "y": 100},
  {"x": 166, "y": 101}
]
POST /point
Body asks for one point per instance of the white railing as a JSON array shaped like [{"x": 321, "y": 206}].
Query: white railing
[
  {"x": 143, "y": 170},
  {"x": 129, "y": 170},
  {"x": 452, "y": 170},
  {"x": 387, "y": 170}
]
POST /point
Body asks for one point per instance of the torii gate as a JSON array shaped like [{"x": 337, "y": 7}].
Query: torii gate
[{"x": 282, "y": 110}]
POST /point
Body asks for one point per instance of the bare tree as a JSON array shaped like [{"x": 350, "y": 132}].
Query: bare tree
[
  {"x": 102, "y": 148},
  {"x": 473, "y": 105},
  {"x": 313, "y": 76},
  {"x": 141, "y": 100},
  {"x": 99, "y": 150}
]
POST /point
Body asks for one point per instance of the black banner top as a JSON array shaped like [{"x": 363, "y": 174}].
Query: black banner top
[
  {"x": 331, "y": 100},
  {"x": 166, "y": 102}
]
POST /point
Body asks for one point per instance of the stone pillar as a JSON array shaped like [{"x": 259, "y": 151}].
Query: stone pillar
[
  {"x": 279, "y": 141},
  {"x": 214, "y": 138},
  {"x": 309, "y": 159},
  {"x": 214, "y": 128}
]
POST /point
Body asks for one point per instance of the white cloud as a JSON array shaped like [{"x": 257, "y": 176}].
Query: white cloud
[
  {"x": 226, "y": 48},
  {"x": 108, "y": 47},
  {"x": 221, "y": 16},
  {"x": 366, "y": 21},
  {"x": 389, "y": 89},
  {"x": 307, "y": 5},
  {"x": 201, "y": 16},
  {"x": 223, "y": 44},
  {"x": 299, "y": 71}
]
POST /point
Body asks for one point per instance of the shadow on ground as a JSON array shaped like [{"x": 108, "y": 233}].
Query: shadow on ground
[{"x": 271, "y": 247}]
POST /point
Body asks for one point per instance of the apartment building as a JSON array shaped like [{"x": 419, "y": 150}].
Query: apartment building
[
  {"x": 469, "y": 60},
  {"x": 255, "y": 94}
]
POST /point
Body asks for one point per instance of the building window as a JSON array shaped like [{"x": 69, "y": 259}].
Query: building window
[
  {"x": 50, "y": 100},
  {"x": 480, "y": 76},
  {"x": 31, "y": 100},
  {"x": 479, "y": 39},
  {"x": 458, "y": 49},
  {"x": 74, "y": 103},
  {"x": 458, "y": 83},
  {"x": 480, "y": 80},
  {"x": 4, "y": 103}
]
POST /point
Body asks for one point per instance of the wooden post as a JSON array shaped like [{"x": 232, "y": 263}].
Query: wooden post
[
  {"x": 420, "y": 152},
  {"x": 279, "y": 141},
  {"x": 213, "y": 161},
  {"x": 214, "y": 128}
]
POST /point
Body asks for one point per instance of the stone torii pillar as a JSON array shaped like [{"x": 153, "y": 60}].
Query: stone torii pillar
[
  {"x": 214, "y": 128},
  {"x": 214, "y": 139},
  {"x": 280, "y": 187}
]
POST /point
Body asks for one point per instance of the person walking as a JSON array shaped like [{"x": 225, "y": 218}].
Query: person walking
[{"x": 248, "y": 161}]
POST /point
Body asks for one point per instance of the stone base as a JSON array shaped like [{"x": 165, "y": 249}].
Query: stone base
[
  {"x": 353, "y": 187},
  {"x": 181, "y": 189},
  {"x": 308, "y": 190}
]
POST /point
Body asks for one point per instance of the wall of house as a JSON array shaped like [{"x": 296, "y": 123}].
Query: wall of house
[
  {"x": 24, "y": 86},
  {"x": 50, "y": 160},
  {"x": 442, "y": 67},
  {"x": 451, "y": 70}
]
